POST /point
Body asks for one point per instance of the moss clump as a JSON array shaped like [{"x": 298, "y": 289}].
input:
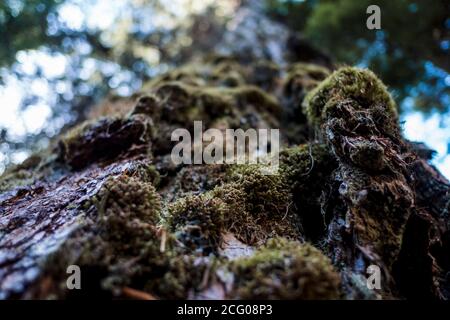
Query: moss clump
[
  {"x": 264, "y": 193},
  {"x": 220, "y": 73},
  {"x": 147, "y": 104},
  {"x": 194, "y": 180},
  {"x": 186, "y": 103},
  {"x": 193, "y": 74},
  {"x": 160, "y": 266},
  {"x": 237, "y": 219},
  {"x": 371, "y": 186},
  {"x": 360, "y": 85},
  {"x": 128, "y": 198},
  {"x": 198, "y": 222},
  {"x": 137, "y": 252},
  {"x": 118, "y": 243},
  {"x": 265, "y": 74},
  {"x": 103, "y": 139},
  {"x": 301, "y": 78},
  {"x": 213, "y": 101},
  {"x": 140, "y": 253},
  {"x": 183, "y": 103},
  {"x": 145, "y": 172},
  {"x": 305, "y": 165},
  {"x": 285, "y": 269},
  {"x": 183, "y": 278},
  {"x": 309, "y": 70},
  {"x": 259, "y": 205},
  {"x": 216, "y": 92},
  {"x": 254, "y": 96},
  {"x": 129, "y": 211},
  {"x": 304, "y": 76},
  {"x": 251, "y": 205},
  {"x": 228, "y": 74}
]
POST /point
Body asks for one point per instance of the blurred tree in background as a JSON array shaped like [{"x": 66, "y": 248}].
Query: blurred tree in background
[
  {"x": 411, "y": 52},
  {"x": 23, "y": 25}
]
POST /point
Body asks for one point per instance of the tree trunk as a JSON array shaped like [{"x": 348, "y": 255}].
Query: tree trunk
[{"x": 350, "y": 193}]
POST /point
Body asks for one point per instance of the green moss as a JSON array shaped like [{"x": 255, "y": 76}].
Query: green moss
[
  {"x": 147, "y": 104},
  {"x": 148, "y": 173},
  {"x": 358, "y": 120},
  {"x": 360, "y": 85},
  {"x": 308, "y": 70},
  {"x": 126, "y": 197},
  {"x": 17, "y": 178},
  {"x": 213, "y": 101},
  {"x": 194, "y": 180},
  {"x": 129, "y": 214},
  {"x": 252, "y": 95},
  {"x": 265, "y": 74},
  {"x": 302, "y": 78},
  {"x": 264, "y": 193},
  {"x": 120, "y": 243},
  {"x": 218, "y": 73},
  {"x": 184, "y": 277},
  {"x": 198, "y": 222},
  {"x": 184, "y": 104},
  {"x": 259, "y": 205},
  {"x": 129, "y": 211},
  {"x": 304, "y": 164},
  {"x": 215, "y": 90},
  {"x": 237, "y": 219},
  {"x": 191, "y": 74},
  {"x": 285, "y": 270},
  {"x": 228, "y": 74},
  {"x": 188, "y": 103},
  {"x": 251, "y": 205}
]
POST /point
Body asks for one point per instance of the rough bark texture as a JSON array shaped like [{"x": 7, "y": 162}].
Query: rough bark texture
[{"x": 350, "y": 192}]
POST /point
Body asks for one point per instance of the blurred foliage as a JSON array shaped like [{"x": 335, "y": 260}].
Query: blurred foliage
[
  {"x": 410, "y": 52},
  {"x": 23, "y": 25}
]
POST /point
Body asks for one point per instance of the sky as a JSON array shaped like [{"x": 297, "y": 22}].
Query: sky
[{"x": 432, "y": 129}]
